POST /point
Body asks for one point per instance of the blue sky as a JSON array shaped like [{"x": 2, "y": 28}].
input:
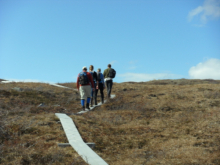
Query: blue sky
[{"x": 51, "y": 40}]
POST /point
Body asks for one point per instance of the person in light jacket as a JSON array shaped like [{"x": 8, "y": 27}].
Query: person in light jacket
[{"x": 108, "y": 80}]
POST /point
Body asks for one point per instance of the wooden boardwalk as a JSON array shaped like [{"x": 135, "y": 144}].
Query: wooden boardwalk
[
  {"x": 77, "y": 143},
  {"x": 91, "y": 108},
  {"x": 74, "y": 137}
]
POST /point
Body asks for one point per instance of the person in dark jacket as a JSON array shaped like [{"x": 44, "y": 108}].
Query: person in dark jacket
[
  {"x": 94, "y": 77},
  {"x": 100, "y": 86},
  {"x": 108, "y": 80},
  {"x": 84, "y": 83}
]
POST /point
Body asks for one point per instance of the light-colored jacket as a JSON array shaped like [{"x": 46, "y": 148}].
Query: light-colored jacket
[{"x": 106, "y": 72}]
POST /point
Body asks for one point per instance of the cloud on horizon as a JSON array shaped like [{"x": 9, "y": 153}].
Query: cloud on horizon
[
  {"x": 209, "y": 69},
  {"x": 209, "y": 10},
  {"x": 138, "y": 77}
]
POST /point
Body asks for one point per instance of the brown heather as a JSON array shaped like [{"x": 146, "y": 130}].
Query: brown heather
[{"x": 167, "y": 122}]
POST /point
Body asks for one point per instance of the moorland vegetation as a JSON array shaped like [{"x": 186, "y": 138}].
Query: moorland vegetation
[{"x": 147, "y": 123}]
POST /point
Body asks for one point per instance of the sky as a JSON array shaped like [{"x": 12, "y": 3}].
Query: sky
[{"x": 51, "y": 40}]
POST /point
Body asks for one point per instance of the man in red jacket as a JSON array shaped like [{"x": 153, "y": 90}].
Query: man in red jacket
[{"x": 84, "y": 82}]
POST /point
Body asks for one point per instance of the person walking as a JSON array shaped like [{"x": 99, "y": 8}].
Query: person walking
[
  {"x": 84, "y": 83},
  {"x": 100, "y": 86},
  {"x": 94, "y": 77},
  {"x": 109, "y": 74}
]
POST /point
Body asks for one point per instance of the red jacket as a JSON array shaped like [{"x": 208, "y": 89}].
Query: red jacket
[{"x": 89, "y": 77}]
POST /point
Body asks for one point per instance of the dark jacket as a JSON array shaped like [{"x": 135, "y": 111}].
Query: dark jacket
[{"x": 94, "y": 75}]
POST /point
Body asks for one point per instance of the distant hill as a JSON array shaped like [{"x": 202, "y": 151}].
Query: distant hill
[
  {"x": 2, "y": 80},
  {"x": 178, "y": 82}
]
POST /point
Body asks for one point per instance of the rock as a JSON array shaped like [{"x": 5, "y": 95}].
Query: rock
[
  {"x": 41, "y": 105},
  {"x": 28, "y": 89},
  {"x": 124, "y": 89},
  {"x": 17, "y": 89}
]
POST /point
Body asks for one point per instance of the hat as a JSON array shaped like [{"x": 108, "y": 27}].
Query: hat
[{"x": 84, "y": 68}]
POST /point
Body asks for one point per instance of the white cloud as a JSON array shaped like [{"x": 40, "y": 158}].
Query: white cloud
[
  {"x": 195, "y": 12},
  {"x": 113, "y": 62},
  {"x": 138, "y": 77},
  {"x": 210, "y": 69},
  {"x": 132, "y": 65},
  {"x": 209, "y": 10}
]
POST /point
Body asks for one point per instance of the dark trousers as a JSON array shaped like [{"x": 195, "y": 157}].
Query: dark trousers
[
  {"x": 100, "y": 85},
  {"x": 93, "y": 92},
  {"x": 109, "y": 84}
]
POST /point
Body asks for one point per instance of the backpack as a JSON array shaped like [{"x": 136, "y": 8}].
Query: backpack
[
  {"x": 83, "y": 78},
  {"x": 99, "y": 77},
  {"x": 112, "y": 73},
  {"x": 93, "y": 75}
]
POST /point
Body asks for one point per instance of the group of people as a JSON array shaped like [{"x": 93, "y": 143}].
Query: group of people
[{"x": 90, "y": 82}]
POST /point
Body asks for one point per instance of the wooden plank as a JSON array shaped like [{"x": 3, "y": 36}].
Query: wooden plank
[
  {"x": 91, "y": 145},
  {"x": 77, "y": 143},
  {"x": 91, "y": 108}
]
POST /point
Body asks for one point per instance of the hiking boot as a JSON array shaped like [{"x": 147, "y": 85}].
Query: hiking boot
[
  {"x": 83, "y": 108},
  {"x": 87, "y": 106},
  {"x": 91, "y": 102}
]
